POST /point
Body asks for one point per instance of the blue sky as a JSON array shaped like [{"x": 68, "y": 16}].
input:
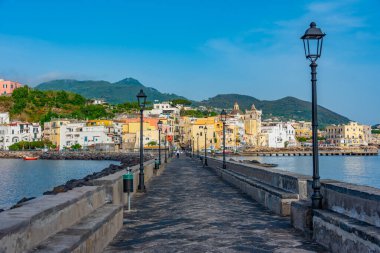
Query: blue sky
[{"x": 199, "y": 49}]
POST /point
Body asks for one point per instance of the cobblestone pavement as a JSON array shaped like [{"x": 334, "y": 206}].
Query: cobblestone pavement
[{"x": 189, "y": 209}]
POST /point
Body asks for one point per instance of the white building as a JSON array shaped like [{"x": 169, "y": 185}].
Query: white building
[
  {"x": 162, "y": 109},
  {"x": 4, "y": 117},
  {"x": 86, "y": 136},
  {"x": 18, "y": 131},
  {"x": 279, "y": 135},
  {"x": 96, "y": 101}
]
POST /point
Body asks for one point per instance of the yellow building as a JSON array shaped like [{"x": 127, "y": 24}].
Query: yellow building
[
  {"x": 302, "y": 129},
  {"x": 100, "y": 122},
  {"x": 52, "y": 130},
  {"x": 252, "y": 126},
  {"x": 185, "y": 128},
  {"x": 197, "y": 132},
  {"x": 131, "y": 132},
  {"x": 233, "y": 137},
  {"x": 352, "y": 134}
]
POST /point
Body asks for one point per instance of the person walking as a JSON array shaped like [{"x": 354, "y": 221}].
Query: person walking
[{"x": 177, "y": 153}]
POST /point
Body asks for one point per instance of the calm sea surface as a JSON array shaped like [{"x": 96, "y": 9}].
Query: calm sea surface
[
  {"x": 363, "y": 170},
  {"x": 19, "y": 178}
]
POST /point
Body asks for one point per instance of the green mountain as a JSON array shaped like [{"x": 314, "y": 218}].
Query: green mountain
[
  {"x": 114, "y": 93},
  {"x": 126, "y": 90},
  {"x": 285, "y": 108}
]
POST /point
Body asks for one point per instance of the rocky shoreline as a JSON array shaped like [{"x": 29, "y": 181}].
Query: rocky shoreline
[{"x": 126, "y": 160}]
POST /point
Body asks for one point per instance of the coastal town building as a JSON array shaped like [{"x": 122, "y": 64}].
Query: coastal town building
[
  {"x": 277, "y": 135},
  {"x": 4, "y": 117},
  {"x": 198, "y": 133},
  {"x": 161, "y": 110},
  {"x": 14, "y": 132},
  {"x": 88, "y": 136},
  {"x": 96, "y": 101},
  {"x": 131, "y": 132},
  {"x": 351, "y": 134},
  {"x": 302, "y": 129},
  {"x": 252, "y": 126},
  {"x": 7, "y": 87},
  {"x": 52, "y": 130}
]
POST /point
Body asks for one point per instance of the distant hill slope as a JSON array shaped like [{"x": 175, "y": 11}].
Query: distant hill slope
[
  {"x": 126, "y": 90},
  {"x": 284, "y": 108},
  {"x": 114, "y": 93}
]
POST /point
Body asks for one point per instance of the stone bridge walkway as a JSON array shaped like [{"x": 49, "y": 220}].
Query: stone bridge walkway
[{"x": 189, "y": 209}]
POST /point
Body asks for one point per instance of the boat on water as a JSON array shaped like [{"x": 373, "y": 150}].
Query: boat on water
[{"x": 30, "y": 158}]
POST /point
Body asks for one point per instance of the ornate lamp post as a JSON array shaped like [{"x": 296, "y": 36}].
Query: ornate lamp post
[
  {"x": 223, "y": 116},
  {"x": 166, "y": 137},
  {"x": 192, "y": 146},
  {"x": 312, "y": 42},
  {"x": 198, "y": 145},
  {"x": 141, "y": 98},
  {"x": 205, "y": 130},
  {"x": 159, "y": 125}
]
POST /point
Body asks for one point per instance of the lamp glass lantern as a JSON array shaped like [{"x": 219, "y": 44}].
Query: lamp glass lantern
[
  {"x": 223, "y": 115},
  {"x": 312, "y": 42},
  {"x": 141, "y": 98},
  {"x": 205, "y": 129},
  {"x": 159, "y": 125}
]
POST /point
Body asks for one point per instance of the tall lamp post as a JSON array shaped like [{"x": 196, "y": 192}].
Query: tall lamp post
[
  {"x": 166, "y": 137},
  {"x": 192, "y": 145},
  {"x": 312, "y": 42},
  {"x": 205, "y": 130},
  {"x": 198, "y": 145},
  {"x": 223, "y": 116},
  {"x": 159, "y": 125},
  {"x": 141, "y": 98}
]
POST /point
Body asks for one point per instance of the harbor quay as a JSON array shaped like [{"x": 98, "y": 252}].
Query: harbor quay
[{"x": 190, "y": 207}]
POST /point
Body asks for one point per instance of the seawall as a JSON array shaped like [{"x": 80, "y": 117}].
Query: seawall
[
  {"x": 84, "y": 219},
  {"x": 349, "y": 220}
]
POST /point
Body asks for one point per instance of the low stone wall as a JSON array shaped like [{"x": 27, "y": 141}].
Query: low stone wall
[
  {"x": 42, "y": 220},
  {"x": 18, "y": 154},
  {"x": 350, "y": 218},
  {"x": 348, "y": 222},
  {"x": 272, "y": 188},
  {"x": 74, "y": 155}
]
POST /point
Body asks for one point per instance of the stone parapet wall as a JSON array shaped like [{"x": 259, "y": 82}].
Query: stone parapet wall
[
  {"x": 292, "y": 182},
  {"x": 267, "y": 186},
  {"x": 355, "y": 201},
  {"x": 18, "y": 154},
  {"x": 29, "y": 225},
  {"x": 348, "y": 222}
]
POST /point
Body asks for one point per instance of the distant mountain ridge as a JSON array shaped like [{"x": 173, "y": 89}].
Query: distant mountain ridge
[
  {"x": 114, "y": 93},
  {"x": 286, "y": 108}
]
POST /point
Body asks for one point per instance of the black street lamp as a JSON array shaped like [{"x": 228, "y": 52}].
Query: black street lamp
[
  {"x": 166, "y": 137},
  {"x": 312, "y": 42},
  {"x": 223, "y": 116},
  {"x": 198, "y": 145},
  {"x": 141, "y": 98},
  {"x": 192, "y": 146},
  {"x": 205, "y": 130},
  {"x": 159, "y": 125}
]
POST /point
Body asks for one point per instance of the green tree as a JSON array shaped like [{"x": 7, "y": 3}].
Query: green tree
[
  {"x": 76, "y": 146},
  {"x": 152, "y": 143}
]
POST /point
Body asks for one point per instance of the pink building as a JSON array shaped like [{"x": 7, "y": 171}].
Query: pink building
[{"x": 7, "y": 87}]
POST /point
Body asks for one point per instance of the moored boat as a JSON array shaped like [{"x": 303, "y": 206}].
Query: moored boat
[{"x": 30, "y": 158}]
